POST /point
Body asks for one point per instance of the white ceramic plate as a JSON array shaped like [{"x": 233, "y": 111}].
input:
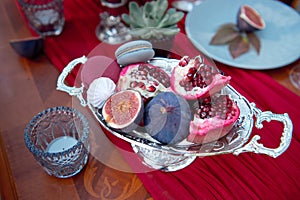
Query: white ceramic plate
[{"x": 280, "y": 40}]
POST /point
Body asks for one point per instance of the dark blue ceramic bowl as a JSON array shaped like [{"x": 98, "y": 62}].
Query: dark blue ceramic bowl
[{"x": 28, "y": 47}]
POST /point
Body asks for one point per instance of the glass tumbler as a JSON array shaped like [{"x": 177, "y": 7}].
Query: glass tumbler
[
  {"x": 58, "y": 139},
  {"x": 46, "y": 17}
]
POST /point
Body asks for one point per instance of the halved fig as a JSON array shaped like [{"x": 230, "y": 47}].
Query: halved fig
[
  {"x": 194, "y": 79},
  {"x": 167, "y": 117},
  {"x": 249, "y": 19},
  {"x": 214, "y": 117},
  {"x": 145, "y": 78},
  {"x": 124, "y": 110}
]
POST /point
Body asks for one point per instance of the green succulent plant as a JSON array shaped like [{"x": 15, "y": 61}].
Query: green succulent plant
[{"x": 152, "y": 20}]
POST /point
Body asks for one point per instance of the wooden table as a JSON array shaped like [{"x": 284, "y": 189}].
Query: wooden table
[{"x": 28, "y": 87}]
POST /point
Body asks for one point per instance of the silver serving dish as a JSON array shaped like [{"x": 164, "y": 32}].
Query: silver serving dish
[{"x": 172, "y": 158}]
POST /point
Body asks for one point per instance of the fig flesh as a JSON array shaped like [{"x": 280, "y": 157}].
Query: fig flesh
[
  {"x": 249, "y": 19},
  {"x": 123, "y": 110},
  {"x": 214, "y": 118},
  {"x": 145, "y": 78},
  {"x": 167, "y": 117},
  {"x": 194, "y": 79}
]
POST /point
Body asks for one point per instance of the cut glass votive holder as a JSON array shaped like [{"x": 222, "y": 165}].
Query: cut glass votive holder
[
  {"x": 46, "y": 17},
  {"x": 58, "y": 139}
]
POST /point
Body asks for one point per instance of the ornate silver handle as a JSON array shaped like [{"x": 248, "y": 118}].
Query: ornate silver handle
[
  {"x": 285, "y": 140},
  {"x": 73, "y": 91}
]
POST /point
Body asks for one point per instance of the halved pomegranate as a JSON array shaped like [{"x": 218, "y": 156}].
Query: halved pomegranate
[
  {"x": 214, "y": 117},
  {"x": 124, "y": 110},
  {"x": 249, "y": 19},
  {"x": 194, "y": 79},
  {"x": 145, "y": 78}
]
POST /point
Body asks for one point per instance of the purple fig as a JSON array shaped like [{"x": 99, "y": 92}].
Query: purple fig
[
  {"x": 167, "y": 118},
  {"x": 248, "y": 19}
]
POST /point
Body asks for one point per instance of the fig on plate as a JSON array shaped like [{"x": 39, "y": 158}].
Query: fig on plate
[
  {"x": 145, "y": 78},
  {"x": 214, "y": 117},
  {"x": 124, "y": 110},
  {"x": 167, "y": 117},
  {"x": 194, "y": 79},
  {"x": 248, "y": 19}
]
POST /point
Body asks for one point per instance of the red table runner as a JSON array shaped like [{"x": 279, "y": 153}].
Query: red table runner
[{"x": 247, "y": 176}]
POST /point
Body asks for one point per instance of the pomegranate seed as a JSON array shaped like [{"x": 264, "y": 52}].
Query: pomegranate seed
[
  {"x": 192, "y": 70},
  {"x": 188, "y": 88},
  {"x": 142, "y": 72},
  {"x": 197, "y": 62},
  {"x": 203, "y": 115},
  {"x": 141, "y": 85},
  {"x": 155, "y": 83},
  {"x": 133, "y": 84},
  {"x": 151, "y": 88},
  {"x": 190, "y": 77},
  {"x": 184, "y": 61},
  {"x": 207, "y": 68},
  {"x": 182, "y": 83},
  {"x": 194, "y": 83},
  {"x": 198, "y": 59}
]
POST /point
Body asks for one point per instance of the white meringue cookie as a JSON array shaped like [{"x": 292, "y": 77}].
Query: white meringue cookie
[{"x": 100, "y": 90}]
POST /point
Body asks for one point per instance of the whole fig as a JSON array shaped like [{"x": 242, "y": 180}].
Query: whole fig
[{"x": 167, "y": 117}]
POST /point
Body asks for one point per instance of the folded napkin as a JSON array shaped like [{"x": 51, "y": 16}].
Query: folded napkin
[{"x": 247, "y": 176}]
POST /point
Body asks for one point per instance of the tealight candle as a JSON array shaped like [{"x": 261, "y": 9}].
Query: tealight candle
[
  {"x": 46, "y": 20},
  {"x": 61, "y": 144}
]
